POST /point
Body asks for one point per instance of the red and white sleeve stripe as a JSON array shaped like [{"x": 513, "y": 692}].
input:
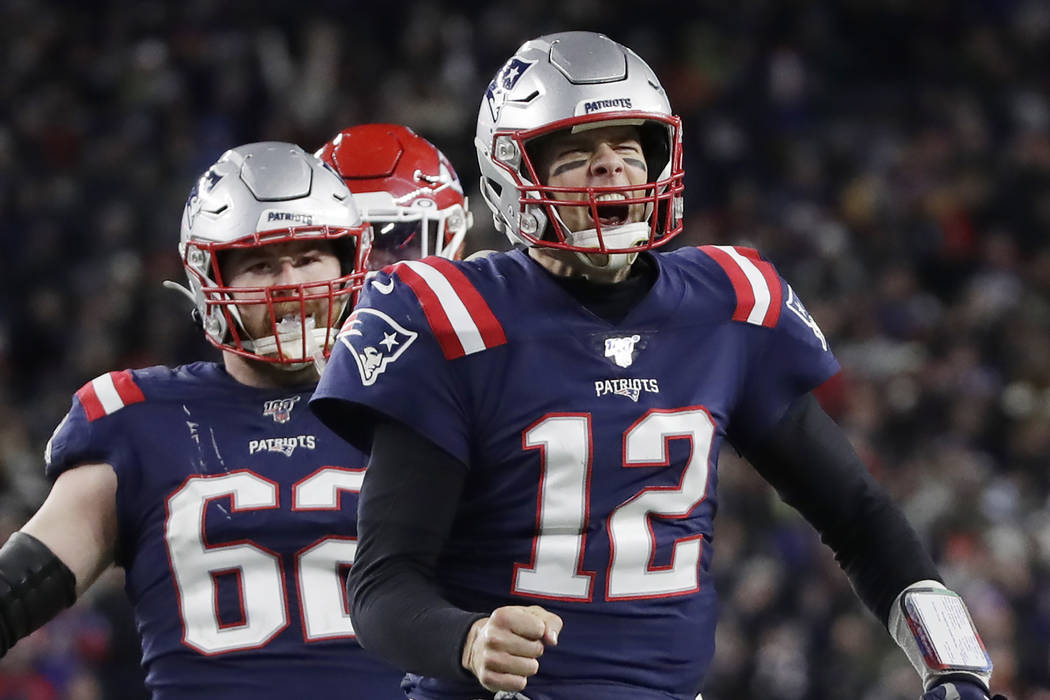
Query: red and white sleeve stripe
[
  {"x": 108, "y": 394},
  {"x": 757, "y": 286},
  {"x": 459, "y": 317}
]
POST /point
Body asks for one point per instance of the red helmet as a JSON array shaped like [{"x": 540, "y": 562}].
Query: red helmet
[{"x": 405, "y": 187}]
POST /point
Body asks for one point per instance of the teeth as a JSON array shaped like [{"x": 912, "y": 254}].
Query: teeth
[
  {"x": 611, "y": 197},
  {"x": 293, "y": 325}
]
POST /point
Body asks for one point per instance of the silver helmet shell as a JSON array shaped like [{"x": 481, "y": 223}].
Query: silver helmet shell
[
  {"x": 577, "y": 81},
  {"x": 263, "y": 194}
]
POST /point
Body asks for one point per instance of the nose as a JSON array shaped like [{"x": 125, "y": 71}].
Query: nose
[
  {"x": 606, "y": 161},
  {"x": 286, "y": 273}
]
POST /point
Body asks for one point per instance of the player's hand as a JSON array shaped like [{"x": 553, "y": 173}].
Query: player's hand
[
  {"x": 958, "y": 690},
  {"x": 502, "y": 650}
]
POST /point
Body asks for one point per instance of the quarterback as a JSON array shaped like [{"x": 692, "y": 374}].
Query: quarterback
[{"x": 544, "y": 425}]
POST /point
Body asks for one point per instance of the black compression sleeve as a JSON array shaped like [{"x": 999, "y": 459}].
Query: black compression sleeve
[
  {"x": 34, "y": 587},
  {"x": 813, "y": 467},
  {"x": 406, "y": 508}
]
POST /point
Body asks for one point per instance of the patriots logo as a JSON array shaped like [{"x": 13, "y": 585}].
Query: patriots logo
[
  {"x": 375, "y": 340},
  {"x": 504, "y": 82},
  {"x": 204, "y": 184}
]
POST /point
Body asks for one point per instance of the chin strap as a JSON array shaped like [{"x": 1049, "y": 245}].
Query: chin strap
[
  {"x": 933, "y": 627},
  {"x": 290, "y": 333},
  {"x": 623, "y": 236}
]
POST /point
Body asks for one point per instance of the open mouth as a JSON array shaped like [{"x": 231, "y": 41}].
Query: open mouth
[{"x": 611, "y": 212}]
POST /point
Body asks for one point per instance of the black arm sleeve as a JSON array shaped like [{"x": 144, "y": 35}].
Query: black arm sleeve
[
  {"x": 406, "y": 508},
  {"x": 811, "y": 464},
  {"x": 34, "y": 587}
]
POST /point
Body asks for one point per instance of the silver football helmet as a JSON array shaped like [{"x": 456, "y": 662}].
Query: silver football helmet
[
  {"x": 578, "y": 81},
  {"x": 263, "y": 194}
]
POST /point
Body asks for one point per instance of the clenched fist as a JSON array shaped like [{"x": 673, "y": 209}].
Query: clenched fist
[{"x": 502, "y": 650}]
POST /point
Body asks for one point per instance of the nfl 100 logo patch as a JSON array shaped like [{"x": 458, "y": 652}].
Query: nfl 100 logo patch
[
  {"x": 280, "y": 409},
  {"x": 622, "y": 350}
]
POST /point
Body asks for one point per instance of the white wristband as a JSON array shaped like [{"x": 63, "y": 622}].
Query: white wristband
[{"x": 933, "y": 627}]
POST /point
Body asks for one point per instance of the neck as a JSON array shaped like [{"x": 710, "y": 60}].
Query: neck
[
  {"x": 566, "y": 263},
  {"x": 266, "y": 375}
]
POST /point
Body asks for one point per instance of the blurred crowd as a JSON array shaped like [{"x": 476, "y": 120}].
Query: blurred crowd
[{"x": 892, "y": 158}]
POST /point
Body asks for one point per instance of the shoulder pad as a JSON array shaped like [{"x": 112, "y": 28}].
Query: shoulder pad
[
  {"x": 458, "y": 315},
  {"x": 756, "y": 284},
  {"x": 108, "y": 393}
]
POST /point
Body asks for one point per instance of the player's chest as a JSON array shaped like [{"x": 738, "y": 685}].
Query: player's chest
[
  {"x": 277, "y": 437},
  {"x": 270, "y": 473},
  {"x": 619, "y": 375}
]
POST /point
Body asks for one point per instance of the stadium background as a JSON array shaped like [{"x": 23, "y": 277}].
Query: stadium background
[{"x": 891, "y": 157}]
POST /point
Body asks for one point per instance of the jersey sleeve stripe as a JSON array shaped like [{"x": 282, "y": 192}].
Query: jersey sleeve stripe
[
  {"x": 755, "y": 283},
  {"x": 439, "y": 321},
  {"x": 126, "y": 387},
  {"x": 745, "y": 299},
  {"x": 488, "y": 325},
  {"x": 108, "y": 393},
  {"x": 461, "y": 320},
  {"x": 776, "y": 299},
  {"x": 89, "y": 400}
]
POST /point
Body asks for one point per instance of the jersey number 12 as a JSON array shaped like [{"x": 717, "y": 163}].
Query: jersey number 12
[{"x": 564, "y": 441}]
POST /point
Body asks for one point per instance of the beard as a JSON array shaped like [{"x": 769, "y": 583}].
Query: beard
[{"x": 300, "y": 337}]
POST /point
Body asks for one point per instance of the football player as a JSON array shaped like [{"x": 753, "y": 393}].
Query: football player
[
  {"x": 231, "y": 507},
  {"x": 544, "y": 424}
]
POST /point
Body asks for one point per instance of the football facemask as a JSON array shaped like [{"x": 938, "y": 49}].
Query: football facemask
[{"x": 266, "y": 194}]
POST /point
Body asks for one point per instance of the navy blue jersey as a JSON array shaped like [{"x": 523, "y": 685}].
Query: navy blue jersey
[
  {"x": 236, "y": 511},
  {"x": 592, "y": 446}
]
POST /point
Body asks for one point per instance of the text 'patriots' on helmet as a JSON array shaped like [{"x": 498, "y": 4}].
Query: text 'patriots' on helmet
[
  {"x": 257, "y": 196},
  {"x": 572, "y": 83},
  {"x": 405, "y": 187}
]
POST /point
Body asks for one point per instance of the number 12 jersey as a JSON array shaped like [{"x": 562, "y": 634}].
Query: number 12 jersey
[{"x": 592, "y": 446}]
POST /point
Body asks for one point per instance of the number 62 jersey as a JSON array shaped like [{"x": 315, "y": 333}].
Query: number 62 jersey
[
  {"x": 592, "y": 446},
  {"x": 236, "y": 513}
]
